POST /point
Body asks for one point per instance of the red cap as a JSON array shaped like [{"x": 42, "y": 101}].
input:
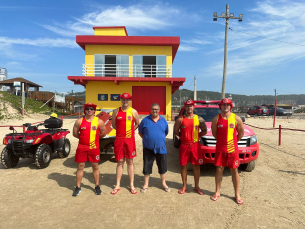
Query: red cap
[
  {"x": 189, "y": 102},
  {"x": 226, "y": 101},
  {"x": 126, "y": 96},
  {"x": 89, "y": 105}
]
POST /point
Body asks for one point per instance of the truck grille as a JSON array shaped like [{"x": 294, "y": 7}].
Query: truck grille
[{"x": 211, "y": 141}]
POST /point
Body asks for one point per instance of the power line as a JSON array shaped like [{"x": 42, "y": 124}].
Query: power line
[{"x": 266, "y": 37}]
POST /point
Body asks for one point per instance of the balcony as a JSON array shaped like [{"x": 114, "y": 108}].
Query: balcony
[{"x": 127, "y": 70}]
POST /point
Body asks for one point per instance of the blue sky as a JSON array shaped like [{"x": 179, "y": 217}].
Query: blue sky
[{"x": 37, "y": 40}]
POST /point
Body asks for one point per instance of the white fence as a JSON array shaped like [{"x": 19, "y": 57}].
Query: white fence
[{"x": 127, "y": 70}]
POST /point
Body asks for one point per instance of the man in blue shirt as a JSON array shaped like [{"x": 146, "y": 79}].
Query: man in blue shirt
[{"x": 153, "y": 130}]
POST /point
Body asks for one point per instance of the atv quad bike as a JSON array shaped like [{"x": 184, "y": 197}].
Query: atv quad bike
[{"x": 35, "y": 143}]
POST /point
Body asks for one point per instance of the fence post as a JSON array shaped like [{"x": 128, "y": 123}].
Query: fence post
[
  {"x": 23, "y": 127},
  {"x": 62, "y": 118},
  {"x": 280, "y": 135},
  {"x": 79, "y": 114}
]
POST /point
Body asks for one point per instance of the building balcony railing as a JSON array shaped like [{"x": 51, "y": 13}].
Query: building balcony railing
[{"x": 127, "y": 70}]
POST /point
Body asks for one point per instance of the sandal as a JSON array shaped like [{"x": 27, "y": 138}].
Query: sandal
[
  {"x": 115, "y": 191},
  {"x": 143, "y": 190},
  {"x": 166, "y": 189},
  {"x": 214, "y": 197},
  {"x": 133, "y": 191},
  {"x": 199, "y": 191},
  {"x": 239, "y": 201},
  {"x": 182, "y": 191}
]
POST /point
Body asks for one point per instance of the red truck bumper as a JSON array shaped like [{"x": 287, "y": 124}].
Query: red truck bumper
[{"x": 246, "y": 154}]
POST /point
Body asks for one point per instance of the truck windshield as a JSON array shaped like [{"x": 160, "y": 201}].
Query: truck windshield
[{"x": 207, "y": 113}]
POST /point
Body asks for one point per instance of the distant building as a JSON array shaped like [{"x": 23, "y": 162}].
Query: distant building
[{"x": 3, "y": 76}]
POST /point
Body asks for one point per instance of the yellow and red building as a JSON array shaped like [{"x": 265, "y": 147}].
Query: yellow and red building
[{"x": 140, "y": 65}]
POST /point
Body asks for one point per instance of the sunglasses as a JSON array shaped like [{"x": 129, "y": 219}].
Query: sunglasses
[{"x": 89, "y": 108}]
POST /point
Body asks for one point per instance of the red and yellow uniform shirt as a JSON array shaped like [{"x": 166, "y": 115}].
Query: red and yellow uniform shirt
[
  {"x": 226, "y": 134},
  {"x": 189, "y": 129},
  {"x": 89, "y": 133},
  {"x": 125, "y": 124}
]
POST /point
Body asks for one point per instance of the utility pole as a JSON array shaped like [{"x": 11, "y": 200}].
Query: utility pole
[
  {"x": 195, "y": 90},
  {"x": 227, "y": 16}
]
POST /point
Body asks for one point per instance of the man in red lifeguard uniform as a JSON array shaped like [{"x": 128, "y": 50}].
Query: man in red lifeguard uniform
[
  {"x": 125, "y": 120},
  {"x": 227, "y": 129},
  {"x": 88, "y": 129},
  {"x": 189, "y": 126}
]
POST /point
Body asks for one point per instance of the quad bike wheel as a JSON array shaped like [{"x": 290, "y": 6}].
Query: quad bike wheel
[
  {"x": 43, "y": 156},
  {"x": 8, "y": 159},
  {"x": 65, "y": 149},
  {"x": 248, "y": 167}
]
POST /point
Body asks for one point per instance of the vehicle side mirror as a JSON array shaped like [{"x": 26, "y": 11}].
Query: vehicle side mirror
[
  {"x": 11, "y": 128},
  {"x": 243, "y": 118}
]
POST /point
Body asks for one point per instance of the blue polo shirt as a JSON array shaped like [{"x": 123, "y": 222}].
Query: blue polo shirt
[{"x": 154, "y": 134}]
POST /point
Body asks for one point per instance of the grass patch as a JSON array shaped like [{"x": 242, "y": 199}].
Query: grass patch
[{"x": 31, "y": 106}]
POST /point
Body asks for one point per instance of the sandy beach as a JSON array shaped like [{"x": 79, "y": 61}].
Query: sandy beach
[{"x": 274, "y": 193}]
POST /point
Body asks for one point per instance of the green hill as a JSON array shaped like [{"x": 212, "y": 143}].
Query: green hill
[
  {"x": 9, "y": 101},
  {"x": 240, "y": 100}
]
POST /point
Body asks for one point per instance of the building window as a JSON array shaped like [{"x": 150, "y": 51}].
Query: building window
[
  {"x": 111, "y": 65},
  {"x": 149, "y": 66}
]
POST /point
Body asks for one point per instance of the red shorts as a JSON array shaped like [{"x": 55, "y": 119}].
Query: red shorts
[
  {"x": 190, "y": 152},
  {"x": 83, "y": 154},
  {"x": 227, "y": 159},
  {"x": 124, "y": 148}
]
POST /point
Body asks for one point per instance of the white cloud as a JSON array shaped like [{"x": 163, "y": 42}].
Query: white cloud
[
  {"x": 134, "y": 17},
  {"x": 187, "y": 48},
  {"x": 42, "y": 42}
]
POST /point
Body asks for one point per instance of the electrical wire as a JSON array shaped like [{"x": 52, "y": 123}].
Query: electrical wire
[{"x": 266, "y": 37}]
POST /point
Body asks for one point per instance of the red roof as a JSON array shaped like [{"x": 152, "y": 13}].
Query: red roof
[
  {"x": 83, "y": 40},
  {"x": 83, "y": 80}
]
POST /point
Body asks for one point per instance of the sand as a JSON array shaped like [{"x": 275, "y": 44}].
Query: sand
[{"x": 273, "y": 193}]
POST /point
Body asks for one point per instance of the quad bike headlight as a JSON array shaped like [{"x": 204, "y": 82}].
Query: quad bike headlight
[
  {"x": 29, "y": 141},
  {"x": 253, "y": 140},
  {"x": 8, "y": 141}
]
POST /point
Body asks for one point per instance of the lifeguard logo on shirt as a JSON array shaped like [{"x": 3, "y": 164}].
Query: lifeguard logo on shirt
[
  {"x": 220, "y": 126},
  {"x": 200, "y": 161},
  {"x": 119, "y": 117},
  {"x": 231, "y": 125},
  {"x": 129, "y": 117},
  {"x": 183, "y": 127},
  {"x": 97, "y": 157},
  {"x": 133, "y": 153},
  {"x": 83, "y": 128},
  {"x": 236, "y": 163},
  {"x": 196, "y": 127},
  {"x": 93, "y": 128}
]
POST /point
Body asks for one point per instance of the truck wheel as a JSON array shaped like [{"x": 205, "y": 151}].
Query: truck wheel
[
  {"x": 65, "y": 149},
  {"x": 248, "y": 167},
  {"x": 176, "y": 142},
  {"x": 43, "y": 156},
  {"x": 8, "y": 159}
]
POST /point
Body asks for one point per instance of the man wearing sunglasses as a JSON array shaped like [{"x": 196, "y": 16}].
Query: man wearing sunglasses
[
  {"x": 125, "y": 120},
  {"x": 88, "y": 129},
  {"x": 153, "y": 130}
]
